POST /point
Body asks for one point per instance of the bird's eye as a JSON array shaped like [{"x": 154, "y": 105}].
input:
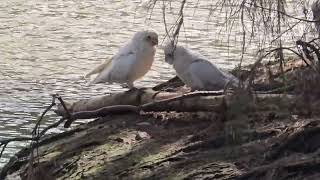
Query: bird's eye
[
  {"x": 170, "y": 55},
  {"x": 148, "y": 37}
]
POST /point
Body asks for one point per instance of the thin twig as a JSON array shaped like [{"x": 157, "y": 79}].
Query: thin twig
[
  {"x": 35, "y": 134},
  {"x": 261, "y": 57},
  {"x": 5, "y": 142},
  {"x": 53, "y": 103},
  {"x": 285, "y": 14}
]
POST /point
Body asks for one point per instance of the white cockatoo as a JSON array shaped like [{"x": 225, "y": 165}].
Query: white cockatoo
[
  {"x": 196, "y": 71},
  {"x": 131, "y": 62}
]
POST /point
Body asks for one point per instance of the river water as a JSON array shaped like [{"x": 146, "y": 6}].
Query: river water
[{"x": 47, "y": 46}]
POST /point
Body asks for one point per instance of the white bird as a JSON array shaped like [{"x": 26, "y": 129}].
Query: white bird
[
  {"x": 131, "y": 62},
  {"x": 196, "y": 71}
]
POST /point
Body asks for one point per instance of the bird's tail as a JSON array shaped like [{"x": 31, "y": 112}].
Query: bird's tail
[{"x": 99, "y": 68}]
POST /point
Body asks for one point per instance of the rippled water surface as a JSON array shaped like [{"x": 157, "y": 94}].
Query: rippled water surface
[{"x": 47, "y": 46}]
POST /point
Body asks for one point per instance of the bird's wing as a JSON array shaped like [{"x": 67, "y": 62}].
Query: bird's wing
[
  {"x": 118, "y": 69},
  {"x": 122, "y": 52},
  {"x": 99, "y": 68},
  {"x": 104, "y": 69},
  {"x": 211, "y": 77}
]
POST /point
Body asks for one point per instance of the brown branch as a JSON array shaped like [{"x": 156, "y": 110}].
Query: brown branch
[
  {"x": 285, "y": 14},
  {"x": 53, "y": 103},
  {"x": 162, "y": 105},
  {"x": 176, "y": 26},
  {"x": 280, "y": 51},
  {"x": 288, "y": 29},
  {"x": 3, "y": 148},
  {"x": 116, "y": 109},
  {"x": 35, "y": 134},
  {"x": 258, "y": 61},
  {"x": 254, "y": 67},
  {"x": 176, "y": 33},
  {"x": 151, "y": 5},
  {"x": 54, "y": 125},
  {"x": 68, "y": 114},
  {"x": 165, "y": 21},
  {"x": 306, "y": 45},
  {"x": 5, "y": 142},
  {"x": 313, "y": 40}
]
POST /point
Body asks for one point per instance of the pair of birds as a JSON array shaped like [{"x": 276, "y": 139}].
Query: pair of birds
[{"x": 134, "y": 60}]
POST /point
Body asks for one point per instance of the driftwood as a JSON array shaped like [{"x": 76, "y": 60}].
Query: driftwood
[
  {"x": 147, "y": 100},
  {"x": 201, "y": 101},
  {"x": 134, "y": 97},
  {"x": 116, "y": 109}
]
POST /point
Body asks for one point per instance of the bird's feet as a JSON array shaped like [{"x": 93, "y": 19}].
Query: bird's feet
[
  {"x": 133, "y": 89},
  {"x": 129, "y": 86},
  {"x": 142, "y": 89}
]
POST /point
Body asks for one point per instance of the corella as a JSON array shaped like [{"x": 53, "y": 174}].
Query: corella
[
  {"x": 131, "y": 62},
  {"x": 196, "y": 71}
]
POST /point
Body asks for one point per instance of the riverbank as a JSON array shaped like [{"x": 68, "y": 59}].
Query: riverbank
[{"x": 272, "y": 135}]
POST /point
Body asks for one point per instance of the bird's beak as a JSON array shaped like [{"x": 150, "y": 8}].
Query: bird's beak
[{"x": 154, "y": 41}]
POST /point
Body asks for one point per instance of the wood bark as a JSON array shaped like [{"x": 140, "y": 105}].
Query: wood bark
[
  {"x": 147, "y": 100},
  {"x": 132, "y": 97}
]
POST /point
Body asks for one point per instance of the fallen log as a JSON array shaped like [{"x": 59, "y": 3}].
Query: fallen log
[
  {"x": 191, "y": 102},
  {"x": 116, "y": 109},
  {"x": 147, "y": 100},
  {"x": 200, "y": 101},
  {"x": 133, "y": 97},
  {"x": 160, "y": 101}
]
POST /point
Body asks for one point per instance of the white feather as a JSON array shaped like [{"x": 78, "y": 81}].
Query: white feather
[
  {"x": 99, "y": 68},
  {"x": 131, "y": 62},
  {"x": 197, "y": 72}
]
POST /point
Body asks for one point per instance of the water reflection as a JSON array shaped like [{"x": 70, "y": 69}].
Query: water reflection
[{"x": 46, "y": 46}]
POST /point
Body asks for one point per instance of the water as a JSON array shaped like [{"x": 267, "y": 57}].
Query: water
[{"x": 47, "y": 46}]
